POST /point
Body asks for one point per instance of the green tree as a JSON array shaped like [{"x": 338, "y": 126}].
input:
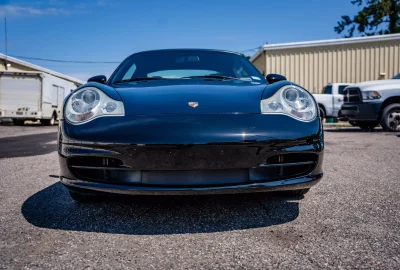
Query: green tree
[{"x": 377, "y": 17}]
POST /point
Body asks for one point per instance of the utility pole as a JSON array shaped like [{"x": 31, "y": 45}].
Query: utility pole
[
  {"x": 6, "y": 64},
  {"x": 5, "y": 33}
]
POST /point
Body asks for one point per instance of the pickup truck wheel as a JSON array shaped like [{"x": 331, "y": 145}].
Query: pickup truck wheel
[
  {"x": 322, "y": 113},
  {"x": 367, "y": 125},
  {"x": 390, "y": 120},
  {"x": 49, "y": 122},
  {"x": 18, "y": 122}
]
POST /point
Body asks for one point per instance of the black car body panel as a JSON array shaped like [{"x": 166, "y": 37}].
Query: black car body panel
[
  {"x": 192, "y": 129},
  {"x": 110, "y": 91},
  {"x": 172, "y": 96}
]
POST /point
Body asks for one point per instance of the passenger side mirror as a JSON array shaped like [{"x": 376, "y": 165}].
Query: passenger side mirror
[
  {"x": 273, "y": 78},
  {"x": 99, "y": 78}
]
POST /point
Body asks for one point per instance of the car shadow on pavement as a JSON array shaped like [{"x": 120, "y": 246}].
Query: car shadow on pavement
[
  {"x": 28, "y": 145},
  {"x": 152, "y": 215}
]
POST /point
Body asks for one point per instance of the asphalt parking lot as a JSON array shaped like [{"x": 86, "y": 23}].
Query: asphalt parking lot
[{"x": 350, "y": 220}]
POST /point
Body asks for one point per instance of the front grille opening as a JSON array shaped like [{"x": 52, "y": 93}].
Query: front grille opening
[
  {"x": 292, "y": 158},
  {"x": 97, "y": 168},
  {"x": 290, "y": 165},
  {"x": 90, "y": 174},
  {"x": 352, "y": 95},
  {"x": 262, "y": 174},
  {"x": 277, "y": 167},
  {"x": 121, "y": 176},
  {"x": 94, "y": 162},
  {"x": 350, "y": 108}
]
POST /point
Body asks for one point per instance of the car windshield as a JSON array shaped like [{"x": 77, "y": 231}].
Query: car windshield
[
  {"x": 397, "y": 77},
  {"x": 186, "y": 64}
]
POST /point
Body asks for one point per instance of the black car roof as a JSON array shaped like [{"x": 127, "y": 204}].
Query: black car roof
[{"x": 187, "y": 49}]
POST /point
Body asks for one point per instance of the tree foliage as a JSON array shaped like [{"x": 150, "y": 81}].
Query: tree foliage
[{"x": 377, "y": 17}]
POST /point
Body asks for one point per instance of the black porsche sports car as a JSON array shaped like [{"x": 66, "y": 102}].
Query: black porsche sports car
[{"x": 189, "y": 121}]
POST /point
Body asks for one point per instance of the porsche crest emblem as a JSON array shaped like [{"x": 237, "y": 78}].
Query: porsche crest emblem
[{"x": 193, "y": 104}]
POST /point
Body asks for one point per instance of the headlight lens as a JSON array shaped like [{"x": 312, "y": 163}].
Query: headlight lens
[
  {"x": 293, "y": 101},
  {"x": 89, "y": 103},
  {"x": 370, "y": 95}
]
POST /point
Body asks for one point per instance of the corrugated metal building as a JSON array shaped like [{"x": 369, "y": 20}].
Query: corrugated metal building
[{"x": 314, "y": 64}]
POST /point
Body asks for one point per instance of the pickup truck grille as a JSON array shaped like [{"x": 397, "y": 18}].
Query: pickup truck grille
[{"x": 352, "y": 95}]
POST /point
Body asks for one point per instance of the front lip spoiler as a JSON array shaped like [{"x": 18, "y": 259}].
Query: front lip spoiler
[{"x": 281, "y": 185}]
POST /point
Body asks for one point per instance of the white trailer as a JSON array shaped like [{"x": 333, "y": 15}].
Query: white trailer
[{"x": 32, "y": 96}]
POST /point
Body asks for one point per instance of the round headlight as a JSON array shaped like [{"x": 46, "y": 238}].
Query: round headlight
[
  {"x": 89, "y": 97},
  {"x": 291, "y": 100},
  {"x": 296, "y": 98},
  {"x": 84, "y": 105},
  {"x": 291, "y": 94}
]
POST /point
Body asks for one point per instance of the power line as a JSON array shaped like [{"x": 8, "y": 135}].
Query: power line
[
  {"x": 87, "y": 62},
  {"x": 65, "y": 61},
  {"x": 256, "y": 48}
]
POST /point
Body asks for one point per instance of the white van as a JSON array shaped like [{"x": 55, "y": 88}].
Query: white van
[{"x": 32, "y": 96}]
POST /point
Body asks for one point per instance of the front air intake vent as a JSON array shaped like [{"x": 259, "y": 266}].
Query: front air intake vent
[
  {"x": 291, "y": 165},
  {"x": 292, "y": 158},
  {"x": 95, "y": 168}
]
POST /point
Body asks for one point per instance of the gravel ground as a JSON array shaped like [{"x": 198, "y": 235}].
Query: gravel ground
[{"x": 350, "y": 220}]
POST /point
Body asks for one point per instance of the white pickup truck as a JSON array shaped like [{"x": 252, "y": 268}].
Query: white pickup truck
[
  {"x": 331, "y": 99},
  {"x": 369, "y": 104}
]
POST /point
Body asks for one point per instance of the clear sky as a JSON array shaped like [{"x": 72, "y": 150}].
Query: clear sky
[{"x": 102, "y": 30}]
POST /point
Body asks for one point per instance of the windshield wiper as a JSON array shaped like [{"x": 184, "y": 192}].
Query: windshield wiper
[
  {"x": 212, "y": 77},
  {"x": 139, "y": 79}
]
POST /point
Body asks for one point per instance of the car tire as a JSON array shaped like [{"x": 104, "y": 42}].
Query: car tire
[
  {"x": 322, "y": 113},
  {"x": 18, "y": 122},
  {"x": 296, "y": 192},
  {"x": 353, "y": 123},
  {"x": 84, "y": 197},
  {"x": 390, "y": 120},
  {"x": 49, "y": 122},
  {"x": 367, "y": 125}
]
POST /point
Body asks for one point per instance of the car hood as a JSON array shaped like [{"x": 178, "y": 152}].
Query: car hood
[
  {"x": 372, "y": 85},
  {"x": 174, "y": 96}
]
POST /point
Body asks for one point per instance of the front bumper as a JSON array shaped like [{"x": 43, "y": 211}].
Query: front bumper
[
  {"x": 26, "y": 115},
  {"x": 288, "y": 184},
  {"x": 367, "y": 111},
  {"x": 194, "y": 154}
]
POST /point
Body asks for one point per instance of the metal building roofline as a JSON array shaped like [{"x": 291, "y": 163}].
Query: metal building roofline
[
  {"x": 41, "y": 69},
  {"x": 326, "y": 42}
]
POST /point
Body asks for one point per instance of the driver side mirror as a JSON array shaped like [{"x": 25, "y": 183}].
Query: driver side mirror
[
  {"x": 99, "y": 79},
  {"x": 273, "y": 78}
]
